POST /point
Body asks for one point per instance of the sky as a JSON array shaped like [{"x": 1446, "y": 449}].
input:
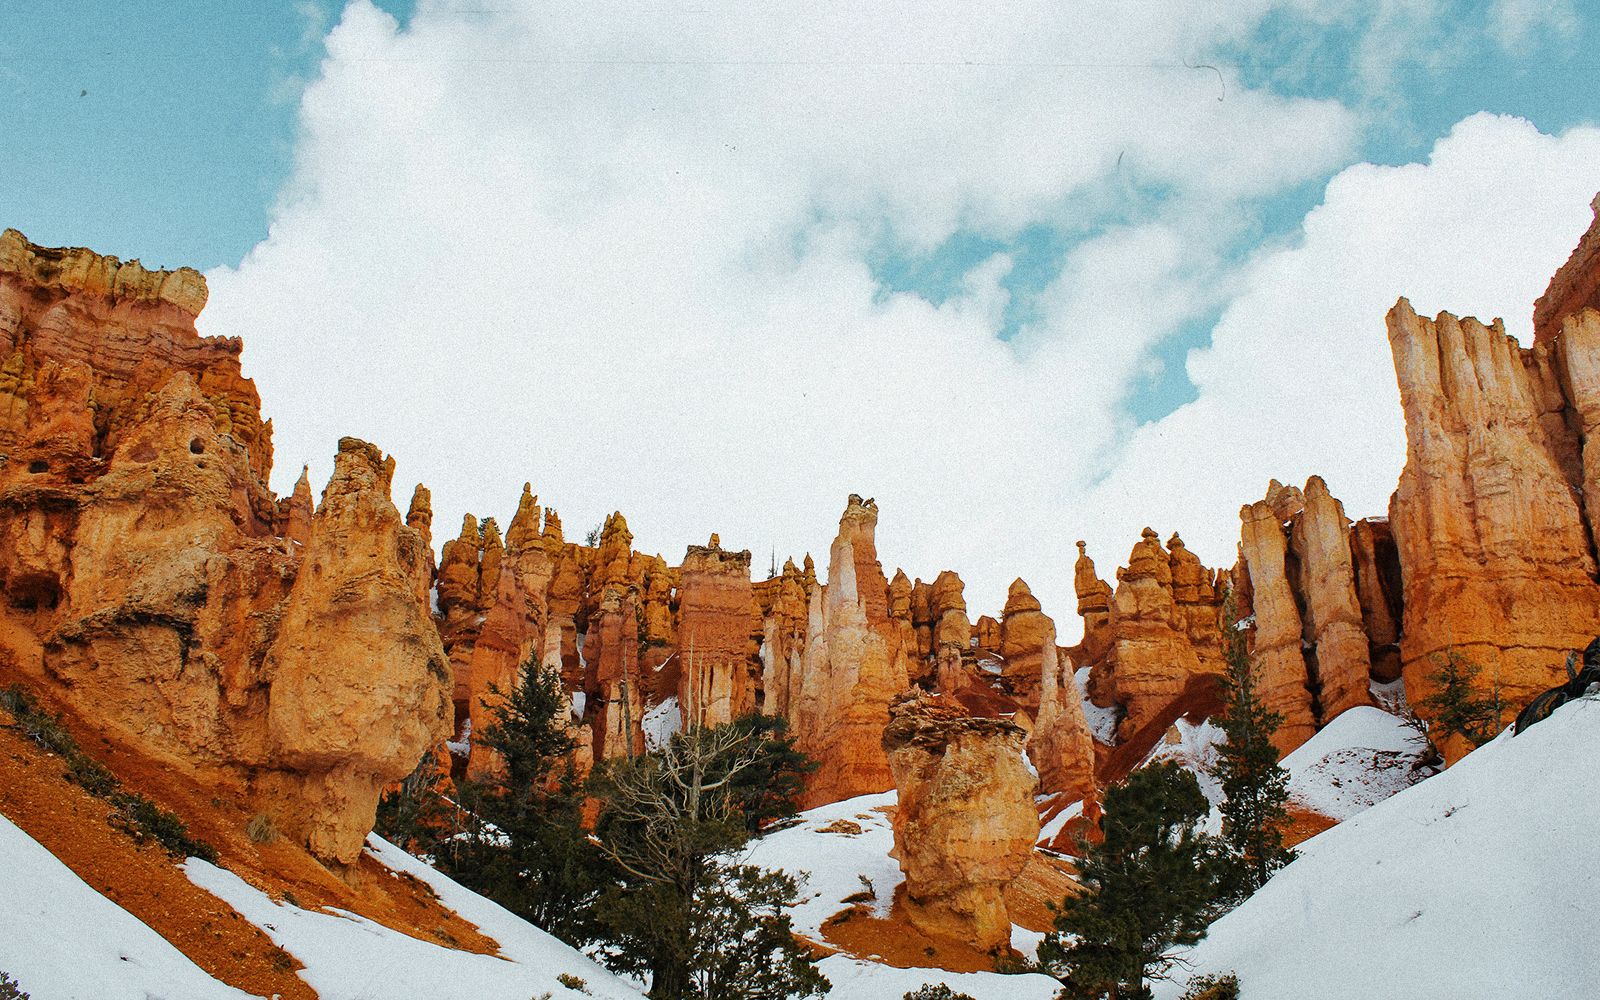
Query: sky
[{"x": 1057, "y": 271}]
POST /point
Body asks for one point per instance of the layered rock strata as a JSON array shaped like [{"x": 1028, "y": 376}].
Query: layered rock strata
[{"x": 1494, "y": 545}]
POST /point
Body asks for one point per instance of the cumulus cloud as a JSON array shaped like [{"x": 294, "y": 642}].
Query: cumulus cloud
[{"x": 625, "y": 253}]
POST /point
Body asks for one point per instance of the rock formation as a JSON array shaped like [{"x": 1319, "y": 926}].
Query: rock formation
[
  {"x": 1494, "y": 546},
  {"x": 1574, "y": 287},
  {"x": 1023, "y": 628},
  {"x": 966, "y": 823},
  {"x": 156, "y": 589},
  {"x": 1060, "y": 746},
  {"x": 1310, "y": 641},
  {"x": 850, "y": 671},
  {"x": 1146, "y": 649},
  {"x": 717, "y": 681}
]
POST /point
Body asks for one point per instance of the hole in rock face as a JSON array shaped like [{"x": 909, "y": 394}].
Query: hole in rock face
[
  {"x": 197, "y": 446},
  {"x": 38, "y": 465}
]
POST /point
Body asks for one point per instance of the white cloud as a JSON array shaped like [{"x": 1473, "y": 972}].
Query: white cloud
[
  {"x": 1517, "y": 25},
  {"x": 622, "y": 251},
  {"x": 1299, "y": 379}
]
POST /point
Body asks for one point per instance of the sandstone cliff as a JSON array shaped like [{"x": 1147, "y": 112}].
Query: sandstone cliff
[{"x": 155, "y": 587}]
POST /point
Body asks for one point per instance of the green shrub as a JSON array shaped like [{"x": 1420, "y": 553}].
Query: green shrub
[
  {"x": 10, "y": 989},
  {"x": 571, "y": 982},
  {"x": 133, "y": 812},
  {"x": 1223, "y": 986},
  {"x": 936, "y": 991}
]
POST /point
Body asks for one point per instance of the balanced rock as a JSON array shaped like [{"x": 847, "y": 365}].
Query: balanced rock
[{"x": 966, "y": 822}]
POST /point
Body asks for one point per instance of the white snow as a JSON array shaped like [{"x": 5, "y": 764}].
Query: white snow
[
  {"x": 854, "y": 979},
  {"x": 835, "y": 863},
  {"x": 1102, "y": 721},
  {"x": 462, "y": 745},
  {"x": 348, "y": 957},
  {"x": 1196, "y": 749},
  {"x": 1481, "y": 882},
  {"x": 62, "y": 940},
  {"x": 662, "y": 722},
  {"x": 1354, "y": 762},
  {"x": 1059, "y": 821}
]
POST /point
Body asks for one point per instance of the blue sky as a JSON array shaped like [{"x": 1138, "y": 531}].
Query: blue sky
[{"x": 169, "y": 132}]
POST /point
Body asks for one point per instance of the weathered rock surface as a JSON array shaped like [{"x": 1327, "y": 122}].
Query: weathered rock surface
[
  {"x": 156, "y": 589},
  {"x": 1492, "y": 539},
  {"x": 1574, "y": 287},
  {"x": 715, "y": 609},
  {"x": 1060, "y": 746},
  {"x": 966, "y": 823},
  {"x": 849, "y": 674},
  {"x": 1310, "y": 640},
  {"x": 1282, "y": 674},
  {"x": 1023, "y": 629},
  {"x": 1145, "y": 648}
]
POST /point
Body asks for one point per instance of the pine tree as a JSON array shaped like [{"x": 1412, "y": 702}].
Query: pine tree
[
  {"x": 516, "y": 835},
  {"x": 1149, "y": 886},
  {"x": 680, "y": 911},
  {"x": 1255, "y": 811},
  {"x": 770, "y": 788},
  {"x": 1454, "y": 706}
]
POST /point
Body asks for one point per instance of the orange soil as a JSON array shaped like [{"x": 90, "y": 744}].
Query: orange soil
[
  {"x": 894, "y": 941},
  {"x": 1305, "y": 824},
  {"x": 145, "y": 881},
  {"x": 140, "y": 878}
]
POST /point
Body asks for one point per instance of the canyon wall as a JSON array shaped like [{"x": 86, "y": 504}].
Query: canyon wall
[{"x": 156, "y": 589}]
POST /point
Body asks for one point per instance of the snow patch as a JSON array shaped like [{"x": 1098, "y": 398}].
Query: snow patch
[
  {"x": 62, "y": 940},
  {"x": 1354, "y": 762},
  {"x": 348, "y": 957},
  {"x": 662, "y": 722},
  {"x": 1102, "y": 721},
  {"x": 835, "y": 863}
]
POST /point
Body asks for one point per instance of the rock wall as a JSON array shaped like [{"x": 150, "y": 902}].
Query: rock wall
[
  {"x": 1494, "y": 545},
  {"x": 715, "y": 609},
  {"x": 966, "y": 822},
  {"x": 1310, "y": 641},
  {"x": 154, "y": 587},
  {"x": 1060, "y": 745}
]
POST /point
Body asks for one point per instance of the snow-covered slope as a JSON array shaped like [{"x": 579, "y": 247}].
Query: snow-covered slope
[
  {"x": 62, "y": 940},
  {"x": 1482, "y": 882},
  {"x": 348, "y": 957},
  {"x": 1354, "y": 762},
  {"x": 838, "y": 846}
]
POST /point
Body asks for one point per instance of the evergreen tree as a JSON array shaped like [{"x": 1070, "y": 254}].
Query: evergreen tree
[
  {"x": 1255, "y": 812},
  {"x": 1455, "y": 706},
  {"x": 1150, "y": 885},
  {"x": 741, "y": 939},
  {"x": 770, "y": 788},
  {"x": 516, "y": 835},
  {"x": 679, "y": 911}
]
